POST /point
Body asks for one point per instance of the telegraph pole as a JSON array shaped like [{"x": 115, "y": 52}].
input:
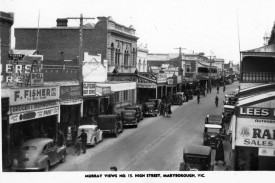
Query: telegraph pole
[
  {"x": 80, "y": 58},
  {"x": 180, "y": 50}
]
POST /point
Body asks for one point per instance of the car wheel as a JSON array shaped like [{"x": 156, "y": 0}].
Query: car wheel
[
  {"x": 95, "y": 142},
  {"x": 155, "y": 115},
  {"x": 63, "y": 158},
  {"x": 136, "y": 126},
  {"x": 115, "y": 133},
  {"x": 47, "y": 168}
]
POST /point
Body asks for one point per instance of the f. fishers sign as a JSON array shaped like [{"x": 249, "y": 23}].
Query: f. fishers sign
[
  {"x": 33, "y": 95},
  {"x": 255, "y": 132}
]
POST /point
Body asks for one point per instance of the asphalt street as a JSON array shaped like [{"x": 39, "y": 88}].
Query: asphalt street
[{"x": 156, "y": 145}]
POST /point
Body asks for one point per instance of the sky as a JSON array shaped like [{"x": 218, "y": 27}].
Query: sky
[{"x": 209, "y": 26}]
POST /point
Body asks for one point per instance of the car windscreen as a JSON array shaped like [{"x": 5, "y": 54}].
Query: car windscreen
[
  {"x": 213, "y": 130},
  {"x": 29, "y": 148}
]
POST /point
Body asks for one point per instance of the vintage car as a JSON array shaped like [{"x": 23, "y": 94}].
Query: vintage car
[
  {"x": 129, "y": 117},
  {"x": 230, "y": 99},
  {"x": 149, "y": 109},
  {"x": 157, "y": 103},
  {"x": 94, "y": 134},
  {"x": 38, "y": 154},
  {"x": 177, "y": 99},
  {"x": 138, "y": 110},
  {"x": 212, "y": 133},
  {"x": 110, "y": 124},
  {"x": 228, "y": 111},
  {"x": 196, "y": 158},
  {"x": 182, "y": 96}
]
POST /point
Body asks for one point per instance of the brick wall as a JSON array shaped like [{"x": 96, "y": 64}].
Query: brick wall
[
  {"x": 52, "y": 41},
  {"x": 6, "y": 22},
  {"x": 99, "y": 40}
]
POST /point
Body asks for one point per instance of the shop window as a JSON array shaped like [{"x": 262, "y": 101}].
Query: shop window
[
  {"x": 117, "y": 97},
  {"x": 117, "y": 57},
  {"x": 188, "y": 68},
  {"x": 144, "y": 66},
  {"x": 126, "y": 58},
  {"x": 139, "y": 65},
  {"x": 125, "y": 95}
]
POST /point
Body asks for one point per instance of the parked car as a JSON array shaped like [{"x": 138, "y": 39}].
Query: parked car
[
  {"x": 38, "y": 154},
  {"x": 228, "y": 111},
  {"x": 149, "y": 109},
  {"x": 196, "y": 158},
  {"x": 110, "y": 124},
  {"x": 94, "y": 134},
  {"x": 129, "y": 117},
  {"x": 182, "y": 96},
  {"x": 157, "y": 103},
  {"x": 138, "y": 110},
  {"x": 230, "y": 99},
  {"x": 177, "y": 99},
  {"x": 213, "y": 130}
]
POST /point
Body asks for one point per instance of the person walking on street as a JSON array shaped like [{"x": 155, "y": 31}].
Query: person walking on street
[
  {"x": 198, "y": 98},
  {"x": 216, "y": 101},
  {"x": 223, "y": 88},
  {"x": 219, "y": 152},
  {"x": 83, "y": 138},
  {"x": 210, "y": 88},
  {"x": 218, "y": 89}
]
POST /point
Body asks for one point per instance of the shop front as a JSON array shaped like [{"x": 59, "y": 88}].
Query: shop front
[
  {"x": 34, "y": 112},
  {"x": 150, "y": 86},
  {"x": 171, "y": 86},
  {"x": 71, "y": 105},
  {"x": 254, "y": 139},
  {"x": 97, "y": 101}
]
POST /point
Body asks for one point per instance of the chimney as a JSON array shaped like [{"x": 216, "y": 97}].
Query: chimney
[{"x": 61, "y": 22}]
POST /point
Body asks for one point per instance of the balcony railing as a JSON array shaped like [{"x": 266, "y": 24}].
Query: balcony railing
[{"x": 258, "y": 77}]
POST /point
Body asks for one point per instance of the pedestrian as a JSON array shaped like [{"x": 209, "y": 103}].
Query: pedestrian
[
  {"x": 219, "y": 152},
  {"x": 198, "y": 98},
  {"x": 216, "y": 101},
  {"x": 83, "y": 137},
  {"x": 218, "y": 89},
  {"x": 210, "y": 89},
  {"x": 113, "y": 168},
  {"x": 223, "y": 88},
  {"x": 60, "y": 138},
  {"x": 254, "y": 162}
]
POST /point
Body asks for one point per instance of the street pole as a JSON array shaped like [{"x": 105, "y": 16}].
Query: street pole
[{"x": 80, "y": 58}]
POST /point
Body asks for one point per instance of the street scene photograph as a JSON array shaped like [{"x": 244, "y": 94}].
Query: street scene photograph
[{"x": 137, "y": 89}]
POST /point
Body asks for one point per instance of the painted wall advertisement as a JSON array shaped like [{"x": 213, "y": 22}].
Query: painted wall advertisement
[
  {"x": 33, "y": 95},
  {"x": 37, "y": 79},
  {"x": 15, "y": 118},
  {"x": 255, "y": 127},
  {"x": 32, "y": 107},
  {"x": 67, "y": 92},
  {"x": 255, "y": 132}
]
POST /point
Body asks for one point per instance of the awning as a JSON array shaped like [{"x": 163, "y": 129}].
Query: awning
[
  {"x": 119, "y": 85},
  {"x": 256, "y": 99}
]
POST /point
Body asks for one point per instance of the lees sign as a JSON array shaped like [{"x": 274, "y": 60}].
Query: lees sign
[{"x": 256, "y": 112}]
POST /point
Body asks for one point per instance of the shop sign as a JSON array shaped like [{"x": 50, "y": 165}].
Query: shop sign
[
  {"x": 146, "y": 85},
  {"x": 33, "y": 95},
  {"x": 170, "y": 81},
  {"x": 266, "y": 152},
  {"x": 37, "y": 79},
  {"x": 89, "y": 89},
  {"x": 179, "y": 79},
  {"x": 70, "y": 92},
  {"x": 106, "y": 90},
  {"x": 256, "y": 112},
  {"x": 32, "y": 107},
  {"x": 161, "y": 78},
  {"x": 15, "y": 118},
  {"x": 255, "y": 132},
  {"x": 71, "y": 102}
]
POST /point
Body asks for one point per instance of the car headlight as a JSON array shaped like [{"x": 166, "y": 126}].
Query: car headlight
[{"x": 15, "y": 162}]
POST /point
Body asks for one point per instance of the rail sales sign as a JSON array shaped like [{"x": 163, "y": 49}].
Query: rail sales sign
[
  {"x": 15, "y": 118},
  {"x": 32, "y": 95},
  {"x": 255, "y": 132},
  {"x": 37, "y": 79}
]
